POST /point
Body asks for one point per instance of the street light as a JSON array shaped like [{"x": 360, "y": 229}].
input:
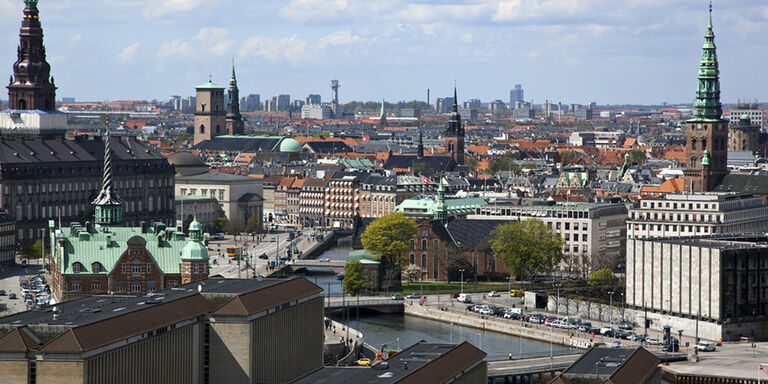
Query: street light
[
  {"x": 462, "y": 280},
  {"x": 509, "y": 291},
  {"x": 557, "y": 306},
  {"x": 480, "y": 337},
  {"x": 610, "y": 305}
]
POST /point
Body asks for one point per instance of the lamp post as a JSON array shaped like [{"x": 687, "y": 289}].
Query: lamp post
[
  {"x": 557, "y": 306},
  {"x": 462, "y": 280},
  {"x": 480, "y": 337},
  {"x": 610, "y": 306},
  {"x": 509, "y": 291}
]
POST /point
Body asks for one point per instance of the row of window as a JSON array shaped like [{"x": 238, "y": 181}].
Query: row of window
[
  {"x": 96, "y": 267},
  {"x": 567, "y": 226},
  {"x": 84, "y": 186},
  {"x": 204, "y": 193},
  {"x": 35, "y": 211},
  {"x": 136, "y": 268},
  {"x": 435, "y": 244}
]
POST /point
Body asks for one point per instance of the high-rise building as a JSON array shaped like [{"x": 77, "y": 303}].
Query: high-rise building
[
  {"x": 454, "y": 134},
  {"x": 210, "y": 114},
  {"x": 313, "y": 99},
  {"x": 32, "y": 86},
  {"x": 316, "y": 112},
  {"x": 283, "y": 102},
  {"x": 707, "y": 132},
  {"x": 234, "y": 121},
  {"x": 252, "y": 103},
  {"x": 516, "y": 95},
  {"x": 335, "y": 98}
]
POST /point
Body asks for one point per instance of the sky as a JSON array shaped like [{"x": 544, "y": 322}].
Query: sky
[{"x": 570, "y": 51}]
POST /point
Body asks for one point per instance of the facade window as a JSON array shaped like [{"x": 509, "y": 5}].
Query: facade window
[
  {"x": 96, "y": 286},
  {"x": 584, "y": 237},
  {"x": 221, "y": 194},
  {"x": 121, "y": 286},
  {"x": 136, "y": 286},
  {"x": 575, "y": 237},
  {"x": 95, "y": 267},
  {"x": 76, "y": 286},
  {"x": 149, "y": 268},
  {"x": 172, "y": 283},
  {"x": 567, "y": 226},
  {"x": 557, "y": 225},
  {"x": 151, "y": 286},
  {"x": 413, "y": 244},
  {"x": 76, "y": 267},
  {"x": 423, "y": 261},
  {"x": 136, "y": 268},
  {"x": 575, "y": 248},
  {"x": 412, "y": 258},
  {"x": 584, "y": 248},
  {"x": 434, "y": 267},
  {"x": 584, "y": 226},
  {"x": 195, "y": 268},
  {"x": 423, "y": 245}
]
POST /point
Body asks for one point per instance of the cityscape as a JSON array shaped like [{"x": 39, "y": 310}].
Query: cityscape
[{"x": 412, "y": 215}]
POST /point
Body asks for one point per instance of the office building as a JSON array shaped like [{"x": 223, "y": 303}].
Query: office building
[
  {"x": 594, "y": 234},
  {"x": 744, "y": 135},
  {"x": 600, "y": 139},
  {"x": 753, "y": 111},
  {"x": 582, "y": 113},
  {"x": 697, "y": 214},
  {"x": 335, "y": 99},
  {"x": 316, "y": 112},
  {"x": 523, "y": 111},
  {"x": 516, "y": 95},
  {"x": 497, "y": 106},
  {"x": 252, "y": 103},
  {"x": 209, "y": 331}
]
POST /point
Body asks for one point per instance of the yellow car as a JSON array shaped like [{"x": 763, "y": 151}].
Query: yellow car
[
  {"x": 364, "y": 362},
  {"x": 516, "y": 292}
]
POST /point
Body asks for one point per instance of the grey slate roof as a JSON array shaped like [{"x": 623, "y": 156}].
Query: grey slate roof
[{"x": 240, "y": 144}]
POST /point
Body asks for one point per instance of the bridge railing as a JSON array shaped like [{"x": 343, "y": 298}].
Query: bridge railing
[{"x": 352, "y": 302}]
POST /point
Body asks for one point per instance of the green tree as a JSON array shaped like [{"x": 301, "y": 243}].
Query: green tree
[
  {"x": 221, "y": 224},
  {"x": 411, "y": 273},
  {"x": 527, "y": 247},
  {"x": 637, "y": 156},
  {"x": 253, "y": 225},
  {"x": 354, "y": 277},
  {"x": 387, "y": 238},
  {"x": 568, "y": 158},
  {"x": 504, "y": 164},
  {"x": 601, "y": 277},
  {"x": 33, "y": 250}
]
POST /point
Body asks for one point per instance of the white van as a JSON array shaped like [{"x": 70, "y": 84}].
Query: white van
[{"x": 464, "y": 298}]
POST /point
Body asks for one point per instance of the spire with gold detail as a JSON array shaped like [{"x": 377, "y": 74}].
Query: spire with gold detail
[
  {"x": 109, "y": 206},
  {"x": 707, "y": 106}
]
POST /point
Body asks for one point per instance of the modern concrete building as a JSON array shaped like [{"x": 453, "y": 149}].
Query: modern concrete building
[
  {"x": 516, "y": 95},
  {"x": 716, "y": 284},
  {"x": 698, "y": 214},
  {"x": 596, "y": 139},
  {"x": 210, "y": 331},
  {"x": 594, "y": 233},
  {"x": 316, "y": 112}
]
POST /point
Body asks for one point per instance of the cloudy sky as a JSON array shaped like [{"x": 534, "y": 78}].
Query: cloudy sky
[{"x": 609, "y": 51}]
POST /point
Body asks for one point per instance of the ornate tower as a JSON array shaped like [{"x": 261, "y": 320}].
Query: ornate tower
[
  {"x": 31, "y": 85},
  {"x": 383, "y": 116},
  {"x": 441, "y": 210},
  {"x": 707, "y": 132},
  {"x": 454, "y": 133},
  {"x": 420, "y": 153},
  {"x": 194, "y": 256},
  {"x": 109, "y": 206},
  {"x": 234, "y": 119},
  {"x": 210, "y": 115}
]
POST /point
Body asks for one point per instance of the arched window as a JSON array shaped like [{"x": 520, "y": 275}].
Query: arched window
[
  {"x": 150, "y": 204},
  {"x": 693, "y": 144},
  {"x": 19, "y": 211},
  {"x": 218, "y": 128},
  {"x": 704, "y": 144},
  {"x": 96, "y": 267},
  {"x": 693, "y": 162},
  {"x": 77, "y": 267},
  {"x": 202, "y": 128},
  {"x": 22, "y": 104},
  {"x": 29, "y": 210}
]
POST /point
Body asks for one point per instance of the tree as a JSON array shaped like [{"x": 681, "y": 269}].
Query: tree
[
  {"x": 411, "y": 273},
  {"x": 253, "y": 225},
  {"x": 354, "y": 277},
  {"x": 221, "y": 224},
  {"x": 601, "y": 277},
  {"x": 527, "y": 247},
  {"x": 504, "y": 164},
  {"x": 387, "y": 238},
  {"x": 637, "y": 156},
  {"x": 568, "y": 158},
  {"x": 33, "y": 250}
]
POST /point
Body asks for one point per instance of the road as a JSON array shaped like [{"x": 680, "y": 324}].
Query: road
[{"x": 9, "y": 282}]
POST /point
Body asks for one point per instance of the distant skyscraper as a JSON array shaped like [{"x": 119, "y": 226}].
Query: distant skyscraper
[
  {"x": 516, "y": 95},
  {"x": 313, "y": 99},
  {"x": 335, "y": 98},
  {"x": 283, "y": 102}
]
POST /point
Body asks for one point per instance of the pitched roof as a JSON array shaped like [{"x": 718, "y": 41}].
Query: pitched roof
[
  {"x": 240, "y": 144},
  {"x": 269, "y": 297},
  {"x": 328, "y": 146},
  {"x": 446, "y": 366},
  {"x": 21, "y": 339},
  {"x": 757, "y": 184},
  {"x": 636, "y": 368},
  {"x": 469, "y": 233}
]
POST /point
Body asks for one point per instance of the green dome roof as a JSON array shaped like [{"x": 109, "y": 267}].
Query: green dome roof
[
  {"x": 194, "y": 250},
  {"x": 196, "y": 226},
  {"x": 290, "y": 145}
]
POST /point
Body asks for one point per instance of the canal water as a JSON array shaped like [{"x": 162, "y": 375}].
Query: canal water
[{"x": 400, "y": 331}]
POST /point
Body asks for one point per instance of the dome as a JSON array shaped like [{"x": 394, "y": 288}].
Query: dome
[
  {"x": 194, "y": 250},
  {"x": 195, "y": 226},
  {"x": 187, "y": 164},
  {"x": 290, "y": 145}
]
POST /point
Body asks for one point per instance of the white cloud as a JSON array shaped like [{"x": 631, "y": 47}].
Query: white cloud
[
  {"x": 338, "y": 38},
  {"x": 210, "y": 40},
  {"x": 74, "y": 40},
  {"x": 158, "y": 9},
  {"x": 313, "y": 11},
  {"x": 292, "y": 49},
  {"x": 128, "y": 53}
]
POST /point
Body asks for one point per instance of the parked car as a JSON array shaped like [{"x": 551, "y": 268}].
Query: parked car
[
  {"x": 455, "y": 295},
  {"x": 607, "y": 331},
  {"x": 12, "y": 296},
  {"x": 549, "y": 320},
  {"x": 626, "y": 326},
  {"x": 471, "y": 307},
  {"x": 493, "y": 294},
  {"x": 585, "y": 327},
  {"x": 2, "y": 292},
  {"x": 364, "y": 362},
  {"x": 638, "y": 338},
  {"x": 413, "y": 296},
  {"x": 705, "y": 346},
  {"x": 264, "y": 256},
  {"x": 511, "y": 315},
  {"x": 516, "y": 292},
  {"x": 653, "y": 341},
  {"x": 535, "y": 319},
  {"x": 465, "y": 298}
]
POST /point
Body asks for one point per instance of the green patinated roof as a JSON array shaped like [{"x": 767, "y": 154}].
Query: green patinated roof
[
  {"x": 290, "y": 145},
  {"x": 361, "y": 255},
  {"x": 348, "y": 163},
  {"x": 427, "y": 206},
  {"x": 87, "y": 248},
  {"x": 209, "y": 85}
]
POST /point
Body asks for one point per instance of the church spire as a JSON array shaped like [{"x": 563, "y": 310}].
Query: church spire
[
  {"x": 109, "y": 206},
  {"x": 420, "y": 153},
  {"x": 383, "y": 115},
  {"x": 707, "y": 105},
  {"x": 234, "y": 120},
  {"x": 31, "y": 86}
]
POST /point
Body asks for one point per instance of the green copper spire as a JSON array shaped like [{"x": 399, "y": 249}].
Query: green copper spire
[
  {"x": 441, "y": 211},
  {"x": 707, "y": 106},
  {"x": 383, "y": 113},
  {"x": 109, "y": 206},
  {"x": 233, "y": 79},
  {"x": 30, "y": 3},
  {"x": 705, "y": 158}
]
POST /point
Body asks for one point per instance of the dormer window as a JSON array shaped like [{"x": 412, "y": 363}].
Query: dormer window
[
  {"x": 96, "y": 267},
  {"x": 77, "y": 267}
]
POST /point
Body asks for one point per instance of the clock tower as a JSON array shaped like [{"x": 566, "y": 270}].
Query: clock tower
[{"x": 707, "y": 133}]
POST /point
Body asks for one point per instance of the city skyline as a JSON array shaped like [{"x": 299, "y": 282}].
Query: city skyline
[{"x": 572, "y": 53}]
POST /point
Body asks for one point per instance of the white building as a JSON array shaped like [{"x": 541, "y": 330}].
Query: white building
[
  {"x": 593, "y": 233},
  {"x": 596, "y": 139},
  {"x": 699, "y": 214},
  {"x": 316, "y": 112}
]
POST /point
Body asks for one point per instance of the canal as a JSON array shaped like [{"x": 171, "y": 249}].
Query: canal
[{"x": 400, "y": 331}]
